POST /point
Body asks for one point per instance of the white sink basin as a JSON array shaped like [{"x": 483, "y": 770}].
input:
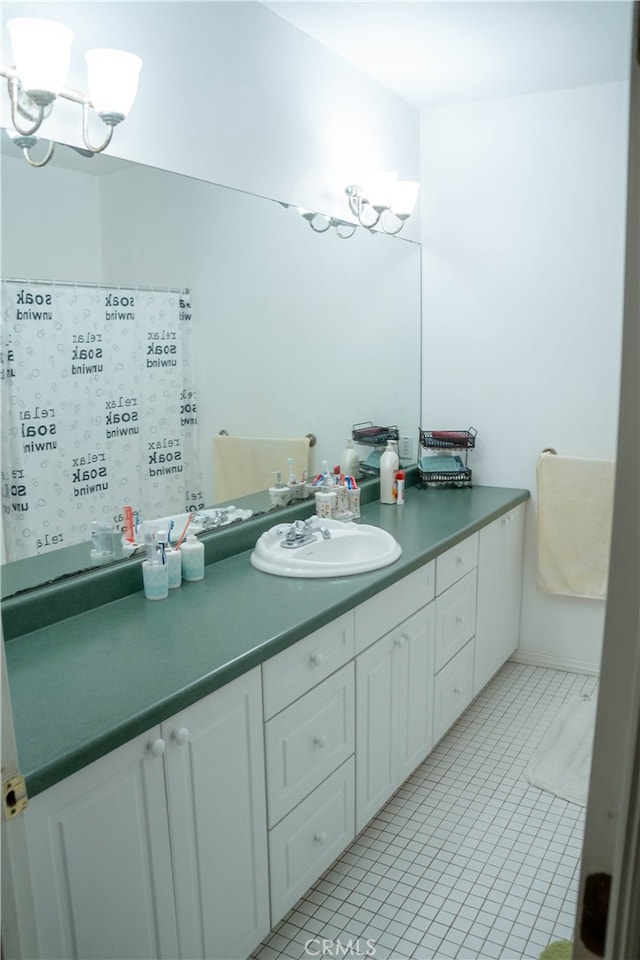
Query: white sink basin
[{"x": 335, "y": 549}]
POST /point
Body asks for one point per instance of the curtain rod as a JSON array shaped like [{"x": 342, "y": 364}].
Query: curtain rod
[{"x": 102, "y": 286}]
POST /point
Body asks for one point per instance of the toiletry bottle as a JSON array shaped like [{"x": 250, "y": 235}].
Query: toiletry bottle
[
  {"x": 192, "y": 552},
  {"x": 350, "y": 461},
  {"x": 174, "y": 563},
  {"x": 326, "y": 499},
  {"x": 279, "y": 493},
  {"x": 399, "y": 487},
  {"x": 389, "y": 463}
]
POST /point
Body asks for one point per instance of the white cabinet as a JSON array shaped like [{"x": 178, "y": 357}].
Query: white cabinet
[
  {"x": 310, "y": 838},
  {"x": 456, "y": 582},
  {"x": 499, "y": 594},
  {"x": 309, "y": 744},
  {"x": 394, "y": 684},
  {"x": 214, "y": 767},
  {"x": 452, "y": 692},
  {"x": 100, "y": 859},
  {"x": 158, "y": 849},
  {"x": 455, "y": 618}
]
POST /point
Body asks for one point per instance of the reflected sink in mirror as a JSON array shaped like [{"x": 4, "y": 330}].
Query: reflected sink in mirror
[
  {"x": 324, "y": 548},
  {"x": 176, "y": 526}
]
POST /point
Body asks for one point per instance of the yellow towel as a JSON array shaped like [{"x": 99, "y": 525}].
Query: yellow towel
[
  {"x": 244, "y": 465},
  {"x": 575, "y": 507}
]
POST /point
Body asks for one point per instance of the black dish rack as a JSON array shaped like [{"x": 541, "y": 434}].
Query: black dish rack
[
  {"x": 370, "y": 435},
  {"x": 447, "y": 441},
  {"x": 373, "y": 436}
]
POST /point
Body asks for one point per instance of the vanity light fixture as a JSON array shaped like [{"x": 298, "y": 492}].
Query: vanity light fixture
[
  {"x": 342, "y": 228},
  {"x": 41, "y": 50},
  {"x": 383, "y": 202}
]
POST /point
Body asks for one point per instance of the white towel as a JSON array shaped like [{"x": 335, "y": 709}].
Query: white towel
[
  {"x": 575, "y": 508},
  {"x": 244, "y": 465}
]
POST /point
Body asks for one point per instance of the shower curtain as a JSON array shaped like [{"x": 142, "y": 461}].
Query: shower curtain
[{"x": 98, "y": 409}]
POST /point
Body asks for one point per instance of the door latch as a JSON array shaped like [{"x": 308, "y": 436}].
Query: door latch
[{"x": 14, "y": 796}]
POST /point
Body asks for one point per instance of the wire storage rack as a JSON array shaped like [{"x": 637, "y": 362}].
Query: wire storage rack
[
  {"x": 372, "y": 435},
  {"x": 442, "y": 460}
]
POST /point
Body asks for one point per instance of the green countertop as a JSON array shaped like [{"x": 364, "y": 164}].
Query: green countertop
[{"x": 84, "y": 686}]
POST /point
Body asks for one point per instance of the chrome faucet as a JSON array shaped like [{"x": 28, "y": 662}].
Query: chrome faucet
[{"x": 302, "y": 532}]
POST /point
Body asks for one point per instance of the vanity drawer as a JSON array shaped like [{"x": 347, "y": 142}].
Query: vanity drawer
[
  {"x": 452, "y": 691},
  {"x": 308, "y": 741},
  {"x": 455, "y": 618},
  {"x": 307, "y": 841},
  {"x": 456, "y": 562},
  {"x": 387, "y": 609},
  {"x": 300, "y": 667}
]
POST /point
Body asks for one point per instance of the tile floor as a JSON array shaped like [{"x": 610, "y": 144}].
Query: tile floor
[{"x": 467, "y": 860}]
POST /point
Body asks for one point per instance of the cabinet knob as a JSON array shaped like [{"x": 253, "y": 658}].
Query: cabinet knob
[
  {"x": 459, "y": 560},
  {"x": 157, "y": 747},
  {"x": 506, "y": 519},
  {"x": 460, "y": 619},
  {"x": 320, "y": 740},
  {"x": 315, "y": 658},
  {"x": 180, "y": 736},
  {"x": 320, "y": 838},
  {"x": 458, "y": 689}
]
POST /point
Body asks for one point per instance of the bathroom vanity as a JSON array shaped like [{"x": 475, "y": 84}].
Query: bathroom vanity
[{"x": 195, "y": 765}]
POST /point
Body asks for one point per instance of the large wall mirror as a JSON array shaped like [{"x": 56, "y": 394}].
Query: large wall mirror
[{"x": 294, "y": 332}]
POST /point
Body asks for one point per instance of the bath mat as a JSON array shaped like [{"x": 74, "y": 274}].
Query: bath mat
[
  {"x": 560, "y": 950},
  {"x": 562, "y": 763}
]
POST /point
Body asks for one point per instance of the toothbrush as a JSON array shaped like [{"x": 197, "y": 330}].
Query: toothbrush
[
  {"x": 162, "y": 547},
  {"x": 184, "y": 532},
  {"x": 127, "y": 513}
]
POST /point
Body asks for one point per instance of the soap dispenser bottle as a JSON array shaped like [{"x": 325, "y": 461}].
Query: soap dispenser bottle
[
  {"x": 350, "y": 461},
  {"x": 389, "y": 464},
  {"x": 192, "y": 554}
]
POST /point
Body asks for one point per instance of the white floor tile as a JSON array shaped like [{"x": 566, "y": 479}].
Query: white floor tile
[{"x": 467, "y": 860}]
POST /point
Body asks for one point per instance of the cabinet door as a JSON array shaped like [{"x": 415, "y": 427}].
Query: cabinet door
[
  {"x": 100, "y": 859},
  {"x": 414, "y": 668},
  {"x": 214, "y": 766},
  {"x": 394, "y": 683},
  {"x": 375, "y": 780},
  {"x": 499, "y": 594}
]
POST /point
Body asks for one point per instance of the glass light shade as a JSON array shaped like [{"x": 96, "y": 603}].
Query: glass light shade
[
  {"x": 378, "y": 187},
  {"x": 405, "y": 197},
  {"x": 112, "y": 76},
  {"x": 41, "y": 52}
]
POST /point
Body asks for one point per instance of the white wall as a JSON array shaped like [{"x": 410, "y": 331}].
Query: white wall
[
  {"x": 232, "y": 93},
  {"x": 523, "y": 230}
]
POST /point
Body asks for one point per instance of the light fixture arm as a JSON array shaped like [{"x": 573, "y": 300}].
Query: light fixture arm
[
  {"x": 85, "y": 130},
  {"x": 22, "y": 104},
  {"x": 357, "y": 205},
  {"x": 45, "y": 159},
  {"x": 385, "y": 218}
]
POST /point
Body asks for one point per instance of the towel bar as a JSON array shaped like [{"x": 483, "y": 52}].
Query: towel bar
[{"x": 311, "y": 437}]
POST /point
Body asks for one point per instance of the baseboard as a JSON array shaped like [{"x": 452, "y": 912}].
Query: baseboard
[{"x": 556, "y": 663}]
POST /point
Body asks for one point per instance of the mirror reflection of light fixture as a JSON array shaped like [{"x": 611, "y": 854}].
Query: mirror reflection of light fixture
[
  {"x": 42, "y": 49},
  {"x": 342, "y": 228},
  {"x": 383, "y": 202}
]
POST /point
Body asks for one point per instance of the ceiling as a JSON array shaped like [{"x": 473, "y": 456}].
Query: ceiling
[{"x": 454, "y": 51}]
